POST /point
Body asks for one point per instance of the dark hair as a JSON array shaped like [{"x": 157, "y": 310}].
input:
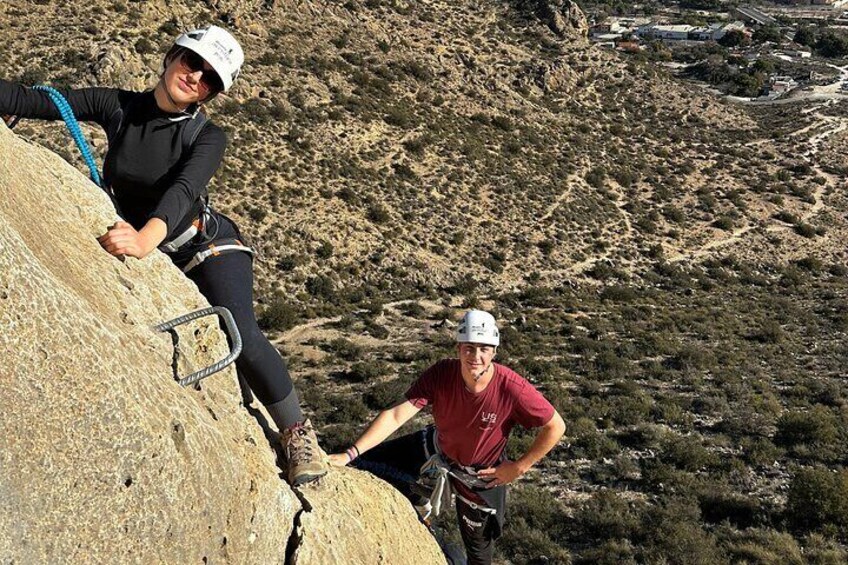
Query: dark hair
[{"x": 174, "y": 52}]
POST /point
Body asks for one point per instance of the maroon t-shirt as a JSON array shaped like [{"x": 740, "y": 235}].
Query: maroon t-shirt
[{"x": 474, "y": 428}]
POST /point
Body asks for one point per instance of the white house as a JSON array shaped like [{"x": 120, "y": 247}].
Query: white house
[{"x": 669, "y": 32}]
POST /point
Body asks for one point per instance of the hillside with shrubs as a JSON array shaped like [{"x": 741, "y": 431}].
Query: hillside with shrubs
[{"x": 668, "y": 267}]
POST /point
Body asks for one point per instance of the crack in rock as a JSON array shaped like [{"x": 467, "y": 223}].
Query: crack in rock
[{"x": 296, "y": 536}]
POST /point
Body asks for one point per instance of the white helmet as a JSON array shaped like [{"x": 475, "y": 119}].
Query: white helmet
[
  {"x": 219, "y": 48},
  {"x": 478, "y": 326}
]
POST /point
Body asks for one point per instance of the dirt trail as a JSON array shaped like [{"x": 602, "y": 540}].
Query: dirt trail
[
  {"x": 566, "y": 193},
  {"x": 837, "y": 125},
  {"x": 705, "y": 249},
  {"x": 297, "y": 336},
  {"x": 834, "y": 125}
]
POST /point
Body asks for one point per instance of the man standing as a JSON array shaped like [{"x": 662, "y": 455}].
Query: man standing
[{"x": 475, "y": 404}]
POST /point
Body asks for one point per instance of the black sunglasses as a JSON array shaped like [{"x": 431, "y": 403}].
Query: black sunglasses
[{"x": 193, "y": 63}]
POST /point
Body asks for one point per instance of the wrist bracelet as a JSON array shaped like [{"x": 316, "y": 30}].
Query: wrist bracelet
[{"x": 351, "y": 453}]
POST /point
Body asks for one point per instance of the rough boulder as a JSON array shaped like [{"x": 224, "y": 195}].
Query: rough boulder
[
  {"x": 105, "y": 457},
  {"x": 564, "y": 17}
]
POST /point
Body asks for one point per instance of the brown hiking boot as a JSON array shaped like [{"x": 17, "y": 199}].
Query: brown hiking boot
[{"x": 306, "y": 460}]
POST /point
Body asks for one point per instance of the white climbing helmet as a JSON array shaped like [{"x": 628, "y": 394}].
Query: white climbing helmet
[
  {"x": 219, "y": 48},
  {"x": 478, "y": 326}
]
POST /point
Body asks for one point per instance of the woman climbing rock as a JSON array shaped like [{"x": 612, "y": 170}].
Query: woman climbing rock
[{"x": 161, "y": 155}]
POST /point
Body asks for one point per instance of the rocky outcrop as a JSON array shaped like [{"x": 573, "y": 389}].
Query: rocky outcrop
[
  {"x": 105, "y": 457},
  {"x": 564, "y": 17},
  {"x": 345, "y": 523},
  {"x": 116, "y": 64},
  {"x": 238, "y": 13}
]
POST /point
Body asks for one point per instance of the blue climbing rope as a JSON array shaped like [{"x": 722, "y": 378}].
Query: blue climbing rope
[{"x": 74, "y": 129}]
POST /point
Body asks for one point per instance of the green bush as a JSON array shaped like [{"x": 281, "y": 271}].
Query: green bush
[
  {"x": 348, "y": 410},
  {"x": 321, "y": 286},
  {"x": 345, "y": 349},
  {"x": 610, "y": 552},
  {"x": 537, "y": 528},
  {"x": 629, "y": 410},
  {"x": 673, "y": 535},
  {"x": 256, "y": 111},
  {"x": 770, "y": 332},
  {"x": 820, "y": 550},
  {"x": 810, "y": 263},
  {"x": 763, "y": 547},
  {"x": 618, "y": 293},
  {"x": 144, "y": 46},
  {"x": 325, "y": 250},
  {"x": 690, "y": 357},
  {"x": 257, "y": 214},
  {"x": 673, "y": 214},
  {"x": 400, "y": 116},
  {"x": 588, "y": 442},
  {"x": 760, "y": 451},
  {"x": 338, "y": 437},
  {"x": 385, "y": 395},
  {"x": 525, "y": 544},
  {"x": 805, "y": 230},
  {"x": 375, "y": 330},
  {"x": 378, "y": 214},
  {"x": 366, "y": 371},
  {"x": 413, "y": 310},
  {"x": 607, "y": 516},
  {"x": 817, "y": 499},
  {"x": 724, "y": 223},
  {"x": 279, "y": 315},
  {"x": 787, "y": 217},
  {"x": 288, "y": 263},
  {"x": 688, "y": 453},
  {"x": 596, "y": 177},
  {"x": 720, "y": 505},
  {"x": 816, "y": 428}
]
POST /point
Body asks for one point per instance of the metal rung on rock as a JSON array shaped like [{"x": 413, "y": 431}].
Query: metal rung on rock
[{"x": 232, "y": 330}]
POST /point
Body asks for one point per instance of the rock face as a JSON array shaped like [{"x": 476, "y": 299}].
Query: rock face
[
  {"x": 564, "y": 17},
  {"x": 117, "y": 65},
  {"x": 105, "y": 457},
  {"x": 347, "y": 524}
]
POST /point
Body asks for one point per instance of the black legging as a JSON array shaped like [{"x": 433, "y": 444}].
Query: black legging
[{"x": 227, "y": 280}]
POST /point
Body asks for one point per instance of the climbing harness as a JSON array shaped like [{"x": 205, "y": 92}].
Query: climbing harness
[
  {"x": 216, "y": 248},
  {"x": 184, "y": 238},
  {"x": 434, "y": 479},
  {"x": 232, "y": 330},
  {"x": 436, "y": 474},
  {"x": 198, "y": 226},
  {"x": 73, "y": 128}
]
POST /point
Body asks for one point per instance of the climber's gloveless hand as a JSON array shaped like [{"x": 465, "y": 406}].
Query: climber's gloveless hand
[{"x": 123, "y": 240}]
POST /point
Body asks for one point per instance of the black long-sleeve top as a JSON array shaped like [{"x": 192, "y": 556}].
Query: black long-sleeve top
[{"x": 145, "y": 166}]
